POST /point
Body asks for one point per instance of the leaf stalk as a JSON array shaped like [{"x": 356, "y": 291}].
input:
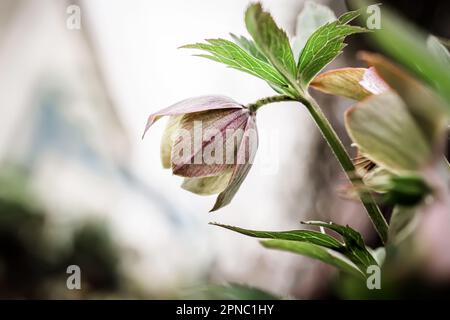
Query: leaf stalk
[{"x": 339, "y": 151}]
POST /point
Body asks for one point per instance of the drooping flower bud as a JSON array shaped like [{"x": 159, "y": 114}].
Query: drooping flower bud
[{"x": 211, "y": 141}]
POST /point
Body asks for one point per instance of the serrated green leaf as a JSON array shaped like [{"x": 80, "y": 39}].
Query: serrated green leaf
[
  {"x": 309, "y": 236},
  {"x": 232, "y": 55},
  {"x": 313, "y": 16},
  {"x": 249, "y": 46},
  {"x": 349, "y": 16},
  {"x": 315, "y": 252},
  {"x": 324, "y": 46},
  {"x": 272, "y": 41},
  {"x": 385, "y": 132},
  {"x": 356, "y": 250},
  {"x": 353, "y": 247}
]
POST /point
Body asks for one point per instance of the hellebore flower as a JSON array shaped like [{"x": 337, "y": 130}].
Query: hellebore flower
[{"x": 211, "y": 141}]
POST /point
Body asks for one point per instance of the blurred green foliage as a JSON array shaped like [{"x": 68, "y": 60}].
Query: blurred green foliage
[
  {"x": 33, "y": 264},
  {"x": 232, "y": 291}
]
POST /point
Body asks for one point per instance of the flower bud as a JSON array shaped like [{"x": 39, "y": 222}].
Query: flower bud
[{"x": 211, "y": 141}]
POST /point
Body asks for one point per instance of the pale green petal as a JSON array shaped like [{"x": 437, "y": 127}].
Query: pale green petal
[
  {"x": 166, "y": 140},
  {"x": 207, "y": 185},
  {"x": 438, "y": 49},
  {"x": 427, "y": 109},
  {"x": 387, "y": 134},
  {"x": 377, "y": 179},
  {"x": 403, "y": 223}
]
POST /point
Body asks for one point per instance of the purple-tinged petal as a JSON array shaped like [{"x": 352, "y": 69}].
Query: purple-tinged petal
[
  {"x": 245, "y": 157},
  {"x": 372, "y": 82},
  {"x": 191, "y": 105},
  {"x": 210, "y": 130}
]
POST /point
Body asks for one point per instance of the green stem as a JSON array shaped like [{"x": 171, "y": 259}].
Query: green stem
[
  {"x": 339, "y": 151},
  {"x": 344, "y": 159},
  {"x": 259, "y": 103}
]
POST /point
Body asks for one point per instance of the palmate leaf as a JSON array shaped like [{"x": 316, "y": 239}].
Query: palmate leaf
[
  {"x": 355, "y": 249},
  {"x": 312, "y": 17},
  {"x": 315, "y": 252},
  {"x": 272, "y": 41},
  {"x": 249, "y": 46},
  {"x": 234, "y": 56},
  {"x": 349, "y": 16},
  {"x": 324, "y": 45},
  {"x": 323, "y": 245},
  {"x": 309, "y": 236}
]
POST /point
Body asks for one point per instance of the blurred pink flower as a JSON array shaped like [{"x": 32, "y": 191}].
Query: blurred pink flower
[
  {"x": 433, "y": 234},
  {"x": 372, "y": 82}
]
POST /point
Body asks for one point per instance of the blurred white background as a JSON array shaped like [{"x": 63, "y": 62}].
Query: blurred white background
[{"x": 74, "y": 106}]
